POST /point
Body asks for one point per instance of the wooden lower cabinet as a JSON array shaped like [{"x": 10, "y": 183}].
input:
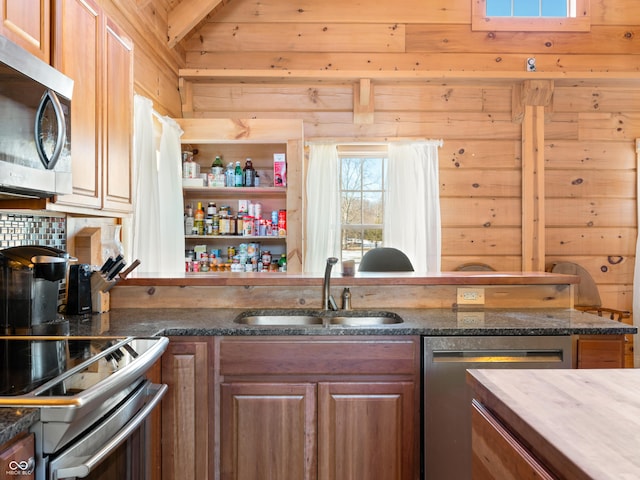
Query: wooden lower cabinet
[
  {"x": 319, "y": 408},
  {"x": 600, "y": 351},
  {"x": 268, "y": 431},
  {"x": 187, "y": 409},
  {"x": 366, "y": 430}
]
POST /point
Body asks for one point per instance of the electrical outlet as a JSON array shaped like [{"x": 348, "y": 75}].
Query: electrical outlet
[
  {"x": 470, "y": 319},
  {"x": 470, "y": 296}
]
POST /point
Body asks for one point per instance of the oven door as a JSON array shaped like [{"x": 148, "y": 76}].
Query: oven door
[{"x": 117, "y": 447}]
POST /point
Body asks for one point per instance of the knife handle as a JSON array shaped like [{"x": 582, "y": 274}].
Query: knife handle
[{"x": 130, "y": 269}]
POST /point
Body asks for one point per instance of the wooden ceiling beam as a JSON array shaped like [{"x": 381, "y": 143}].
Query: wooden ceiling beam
[{"x": 186, "y": 15}]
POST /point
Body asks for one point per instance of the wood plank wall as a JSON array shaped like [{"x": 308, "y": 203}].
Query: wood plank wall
[{"x": 589, "y": 129}]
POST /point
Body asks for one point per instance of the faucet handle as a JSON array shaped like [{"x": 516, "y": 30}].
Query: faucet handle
[{"x": 332, "y": 303}]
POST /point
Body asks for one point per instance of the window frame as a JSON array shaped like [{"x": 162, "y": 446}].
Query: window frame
[
  {"x": 481, "y": 22},
  {"x": 362, "y": 152}
]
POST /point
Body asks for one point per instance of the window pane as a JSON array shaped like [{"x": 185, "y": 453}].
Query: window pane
[
  {"x": 498, "y": 8},
  {"x": 554, "y": 8},
  {"x": 371, "y": 238},
  {"x": 351, "y": 177},
  {"x": 372, "y": 208},
  {"x": 351, "y": 207},
  {"x": 372, "y": 173},
  {"x": 526, "y": 8},
  {"x": 351, "y": 244}
]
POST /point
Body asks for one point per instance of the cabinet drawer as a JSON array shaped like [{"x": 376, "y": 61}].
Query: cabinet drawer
[{"x": 319, "y": 356}]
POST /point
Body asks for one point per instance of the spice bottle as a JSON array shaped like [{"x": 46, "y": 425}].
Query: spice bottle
[
  {"x": 238, "y": 175},
  {"x": 230, "y": 176},
  {"x": 249, "y": 173},
  {"x": 198, "y": 217}
]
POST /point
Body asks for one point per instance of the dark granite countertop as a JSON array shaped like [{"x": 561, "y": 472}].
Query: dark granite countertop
[
  {"x": 176, "y": 321},
  {"x": 430, "y": 322}
]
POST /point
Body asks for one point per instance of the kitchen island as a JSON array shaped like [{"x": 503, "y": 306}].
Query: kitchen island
[{"x": 577, "y": 424}]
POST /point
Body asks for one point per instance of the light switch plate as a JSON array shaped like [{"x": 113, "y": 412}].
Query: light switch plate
[{"x": 470, "y": 296}]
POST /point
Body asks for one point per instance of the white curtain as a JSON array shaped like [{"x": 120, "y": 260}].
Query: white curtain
[
  {"x": 323, "y": 207},
  {"x": 158, "y": 231},
  {"x": 412, "y": 204},
  {"x": 171, "y": 202}
]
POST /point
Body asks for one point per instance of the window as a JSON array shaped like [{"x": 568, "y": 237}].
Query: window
[
  {"x": 531, "y": 8},
  {"x": 531, "y": 15},
  {"x": 363, "y": 173}
]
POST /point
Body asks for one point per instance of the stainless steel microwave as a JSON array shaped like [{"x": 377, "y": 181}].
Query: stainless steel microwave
[{"x": 35, "y": 125}]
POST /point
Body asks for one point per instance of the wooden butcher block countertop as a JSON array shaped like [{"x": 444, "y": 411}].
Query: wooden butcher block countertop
[{"x": 583, "y": 423}]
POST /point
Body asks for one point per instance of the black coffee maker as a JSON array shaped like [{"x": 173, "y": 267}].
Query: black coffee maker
[{"x": 30, "y": 278}]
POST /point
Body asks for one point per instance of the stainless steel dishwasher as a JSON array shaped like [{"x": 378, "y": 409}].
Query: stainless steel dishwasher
[{"x": 447, "y": 398}]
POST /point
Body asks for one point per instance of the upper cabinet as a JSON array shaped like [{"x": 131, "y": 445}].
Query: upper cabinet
[
  {"x": 27, "y": 23},
  {"x": 92, "y": 50}
]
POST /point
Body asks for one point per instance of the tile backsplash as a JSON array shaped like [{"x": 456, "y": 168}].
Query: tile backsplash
[{"x": 31, "y": 229}]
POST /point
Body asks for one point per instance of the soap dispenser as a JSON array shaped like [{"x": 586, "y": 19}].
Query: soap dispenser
[{"x": 346, "y": 299}]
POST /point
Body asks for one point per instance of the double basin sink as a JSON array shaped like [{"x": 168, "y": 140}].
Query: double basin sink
[{"x": 319, "y": 318}]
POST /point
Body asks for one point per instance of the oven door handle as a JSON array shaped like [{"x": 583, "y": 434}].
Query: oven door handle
[{"x": 85, "y": 468}]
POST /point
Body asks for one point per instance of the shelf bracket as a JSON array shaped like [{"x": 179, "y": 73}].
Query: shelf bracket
[{"x": 363, "y": 108}]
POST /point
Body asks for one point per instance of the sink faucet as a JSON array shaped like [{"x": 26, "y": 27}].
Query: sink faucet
[{"x": 327, "y": 299}]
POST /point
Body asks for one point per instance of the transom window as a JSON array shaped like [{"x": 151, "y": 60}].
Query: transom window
[
  {"x": 531, "y": 8},
  {"x": 363, "y": 173},
  {"x": 531, "y": 15}
]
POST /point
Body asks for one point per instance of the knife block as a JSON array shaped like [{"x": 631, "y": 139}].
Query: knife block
[
  {"x": 100, "y": 287},
  {"x": 100, "y": 301}
]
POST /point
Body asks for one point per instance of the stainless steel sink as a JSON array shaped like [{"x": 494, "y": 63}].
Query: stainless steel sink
[
  {"x": 320, "y": 318},
  {"x": 279, "y": 319},
  {"x": 365, "y": 320}
]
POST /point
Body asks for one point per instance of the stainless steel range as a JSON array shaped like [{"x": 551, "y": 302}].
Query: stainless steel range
[{"x": 93, "y": 397}]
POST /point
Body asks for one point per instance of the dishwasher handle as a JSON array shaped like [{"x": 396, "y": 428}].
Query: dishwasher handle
[{"x": 497, "y": 356}]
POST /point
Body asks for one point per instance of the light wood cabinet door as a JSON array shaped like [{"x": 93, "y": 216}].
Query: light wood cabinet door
[
  {"x": 187, "y": 421},
  {"x": 366, "y": 430},
  {"x": 268, "y": 431},
  {"x": 118, "y": 120},
  {"x": 28, "y": 23},
  {"x": 101, "y": 66},
  {"x": 82, "y": 61}
]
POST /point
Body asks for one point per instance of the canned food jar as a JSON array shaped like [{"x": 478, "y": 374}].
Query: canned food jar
[
  {"x": 225, "y": 225},
  {"x": 247, "y": 227}
]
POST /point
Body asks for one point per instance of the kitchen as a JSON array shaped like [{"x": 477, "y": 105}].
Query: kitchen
[{"x": 430, "y": 75}]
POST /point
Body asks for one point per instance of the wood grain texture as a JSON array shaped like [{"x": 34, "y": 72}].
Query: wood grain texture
[
  {"x": 203, "y": 293},
  {"x": 186, "y": 416},
  {"x": 597, "y": 409}
]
